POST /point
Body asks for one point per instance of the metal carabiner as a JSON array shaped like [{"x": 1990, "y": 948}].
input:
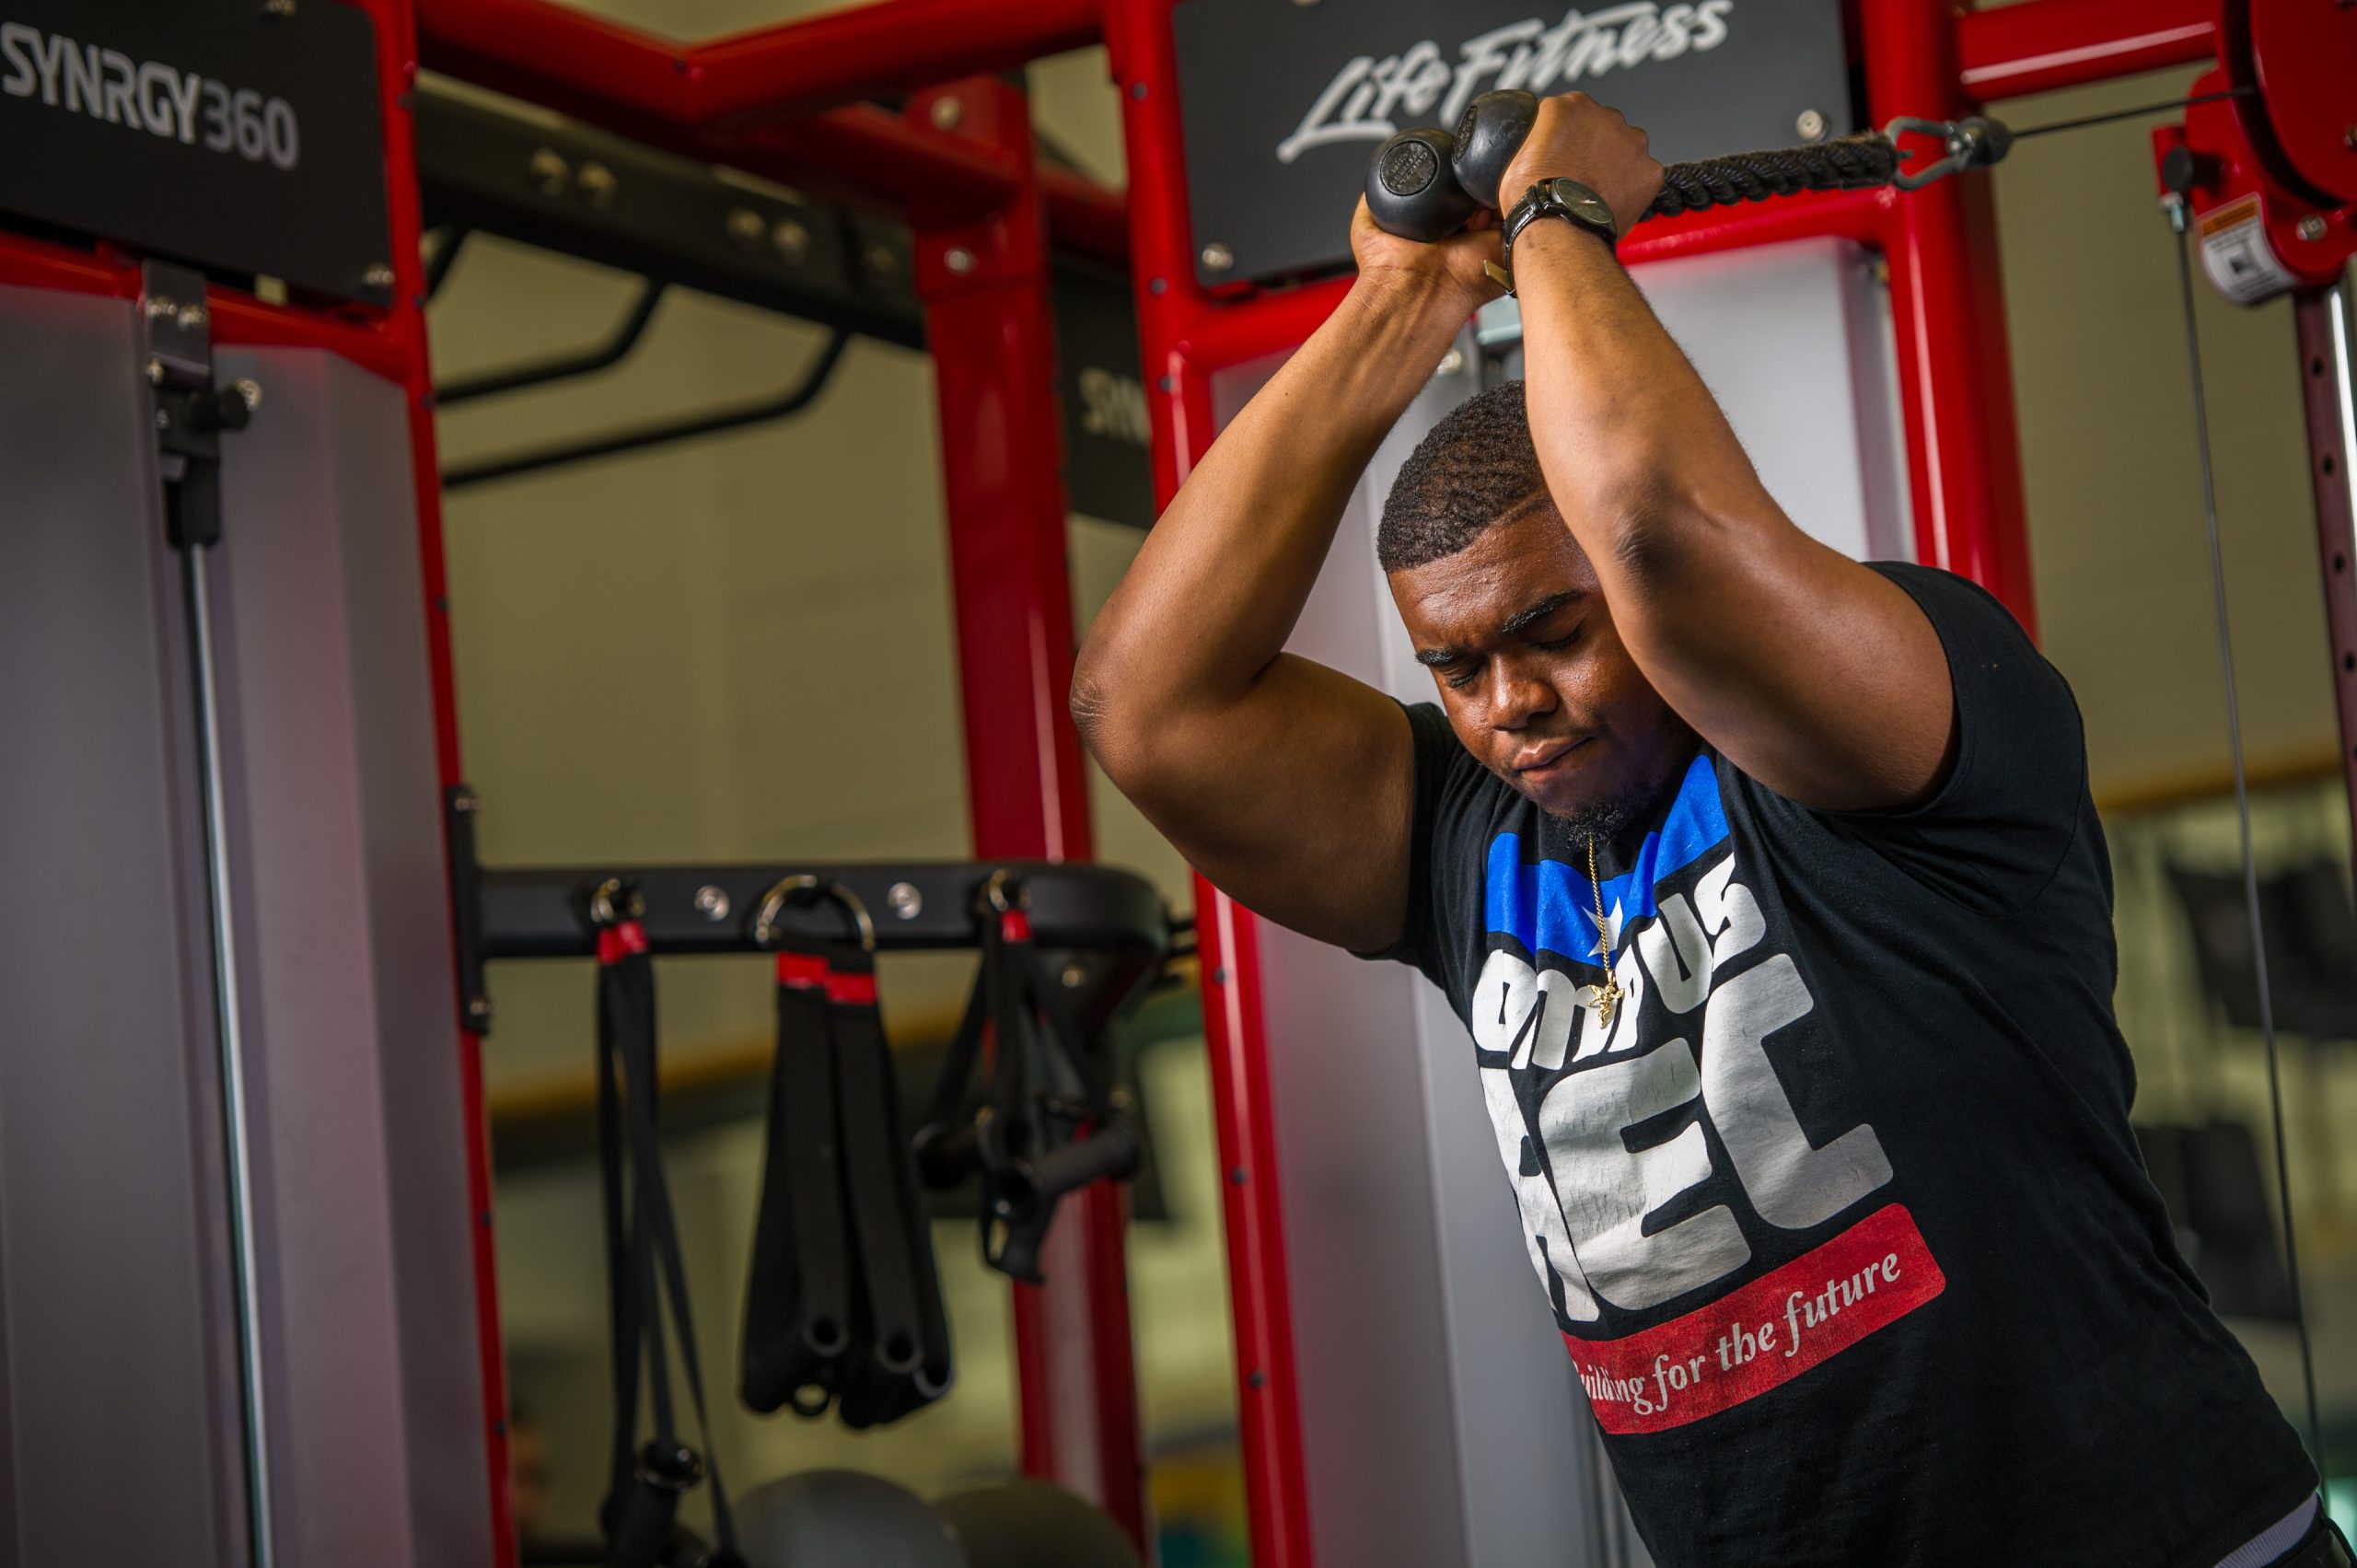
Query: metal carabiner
[
  {"x": 1974, "y": 142},
  {"x": 614, "y": 901},
  {"x": 803, "y": 889}
]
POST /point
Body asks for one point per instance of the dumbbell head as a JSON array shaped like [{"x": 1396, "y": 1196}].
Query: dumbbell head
[
  {"x": 1411, "y": 187},
  {"x": 1490, "y": 131}
]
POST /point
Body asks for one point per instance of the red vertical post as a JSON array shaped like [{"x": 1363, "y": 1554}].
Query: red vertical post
[
  {"x": 1947, "y": 303},
  {"x": 1170, "y": 308},
  {"x": 2328, "y": 390},
  {"x": 984, "y": 282},
  {"x": 405, "y": 327}
]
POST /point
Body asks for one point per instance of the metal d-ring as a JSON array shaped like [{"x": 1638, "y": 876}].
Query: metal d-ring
[
  {"x": 994, "y": 893},
  {"x": 603, "y": 906},
  {"x": 802, "y": 889}
]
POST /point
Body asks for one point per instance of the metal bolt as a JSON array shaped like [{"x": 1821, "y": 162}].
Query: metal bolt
[
  {"x": 190, "y": 318},
  {"x": 906, "y": 902},
  {"x": 379, "y": 275},
  {"x": 712, "y": 903},
  {"x": 161, "y": 305},
  {"x": 597, "y": 184},
  {"x": 163, "y": 419},
  {"x": 1122, "y": 1099},
  {"x": 958, "y": 259},
  {"x": 249, "y": 391},
  {"x": 1811, "y": 125},
  {"x": 548, "y": 172},
  {"x": 946, "y": 112},
  {"x": 746, "y": 227},
  {"x": 792, "y": 242},
  {"x": 278, "y": 7},
  {"x": 466, "y": 803},
  {"x": 1451, "y": 363},
  {"x": 1073, "y": 974},
  {"x": 155, "y": 371},
  {"x": 2312, "y": 228},
  {"x": 480, "y": 1012},
  {"x": 882, "y": 259},
  {"x": 1217, "y": 258}
]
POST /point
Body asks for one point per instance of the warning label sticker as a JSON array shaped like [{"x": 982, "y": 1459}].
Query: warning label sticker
[{"x": 2236, "y": 253}]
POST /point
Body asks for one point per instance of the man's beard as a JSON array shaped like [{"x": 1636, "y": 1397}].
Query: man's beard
[{"x": 1596, "y": 820}]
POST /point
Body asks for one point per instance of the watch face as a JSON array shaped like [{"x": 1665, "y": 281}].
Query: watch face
[{"x": 1583, "y": 201}]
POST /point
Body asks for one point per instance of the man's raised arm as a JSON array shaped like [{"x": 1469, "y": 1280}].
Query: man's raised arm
[
  {"x": 1813, "y": 673},
  {"x": 1289, "y": 784}
]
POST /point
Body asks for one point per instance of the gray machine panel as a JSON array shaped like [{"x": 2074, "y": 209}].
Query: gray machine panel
[
  {"x": 350, "y": 999},
  {"x": 117, "y": 1435},
  {"x": 120, "y": 1432}
]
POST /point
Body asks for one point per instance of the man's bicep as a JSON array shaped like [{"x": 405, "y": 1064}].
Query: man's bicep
[
  {"x": 1815, "y": 674},
  {"x": 1296, "y": 801}
]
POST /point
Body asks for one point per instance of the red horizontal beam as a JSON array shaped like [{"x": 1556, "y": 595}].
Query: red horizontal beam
[
  {"x": 891, "y": 46},
  {"x": 237, "y": 320},
  {"x": 1216, "y": 335},
  {"x": 2040, "y": 45},
  {"x": 1085, "y": 218},
  {"x": 701, "y": 99}
]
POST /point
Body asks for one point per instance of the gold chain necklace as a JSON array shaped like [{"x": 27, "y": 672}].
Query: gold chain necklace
[{"x": 1608, "y": 994}]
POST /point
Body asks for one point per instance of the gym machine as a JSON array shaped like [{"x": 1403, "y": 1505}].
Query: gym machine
[{"x": 363, "y": 1165}]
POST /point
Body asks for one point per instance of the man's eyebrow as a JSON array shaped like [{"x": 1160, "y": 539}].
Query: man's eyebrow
[
  {"x": 1435, "y": 658},
  {"x": 1524, "y": 620}
]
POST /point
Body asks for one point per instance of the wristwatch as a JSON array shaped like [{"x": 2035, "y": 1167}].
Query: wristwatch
[{"x": 1563, "y": 198}]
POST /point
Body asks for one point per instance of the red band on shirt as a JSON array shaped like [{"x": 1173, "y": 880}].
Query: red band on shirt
[
  {"x": 846, "y": 989},
  {"x": 617, "y": 942},
  {"x": 1743, "y": 1344},
  {"x": 801, "y": 970}
]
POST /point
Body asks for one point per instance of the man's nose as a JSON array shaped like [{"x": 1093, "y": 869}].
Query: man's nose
[{"x": 1517, "y": 695}]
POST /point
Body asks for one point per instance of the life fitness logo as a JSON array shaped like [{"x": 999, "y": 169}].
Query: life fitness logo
[
  {"x": 148, "y": 96},
  {"x": 1370, "y": 98}
]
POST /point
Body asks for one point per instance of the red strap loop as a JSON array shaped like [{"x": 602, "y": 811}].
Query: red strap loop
[
  {"x": 620, "y": 941},
  {"x": 801, "y": 970}
]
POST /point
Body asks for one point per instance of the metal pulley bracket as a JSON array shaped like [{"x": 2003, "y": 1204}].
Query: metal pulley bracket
[
  {"x": 191, "y": 412},
  {"x": 1974, "y": 142},
  {"x": 2265, "y": 159}
]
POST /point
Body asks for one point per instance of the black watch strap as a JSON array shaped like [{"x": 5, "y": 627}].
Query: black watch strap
[{"x": 1565, "y": 199}]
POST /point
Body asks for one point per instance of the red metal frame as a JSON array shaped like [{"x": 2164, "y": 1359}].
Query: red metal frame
[{"x": 780, "y": 101}]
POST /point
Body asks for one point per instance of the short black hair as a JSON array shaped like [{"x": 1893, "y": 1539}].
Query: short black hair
[{"x": 1470, "y": 471}]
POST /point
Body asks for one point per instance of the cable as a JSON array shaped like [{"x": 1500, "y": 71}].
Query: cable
[
  {"x": 2178, "y": 221},
  {"x": 2174, "y": 103}
]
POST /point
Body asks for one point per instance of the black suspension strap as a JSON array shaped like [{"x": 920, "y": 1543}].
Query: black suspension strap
[
  {"x": 797, "y": 1302},
  {"x": 2179, "y": 216},
  {"x": 844, "y": 1304},
  {"x": 1048, "y": 1124},
  {"x": 646, "y": 1279}
]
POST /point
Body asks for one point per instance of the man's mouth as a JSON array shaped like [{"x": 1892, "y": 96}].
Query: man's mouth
[{"x": 1539, "y": 756}]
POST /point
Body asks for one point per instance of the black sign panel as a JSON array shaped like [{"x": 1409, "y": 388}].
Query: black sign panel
[
  {"x": 1108, "y": 467},
  {"x": 215, "y": 131},
  {"x": 1284, "y": 101}
]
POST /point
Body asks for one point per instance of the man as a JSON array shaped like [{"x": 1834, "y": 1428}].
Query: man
[{"x": 1770, "y": 887}]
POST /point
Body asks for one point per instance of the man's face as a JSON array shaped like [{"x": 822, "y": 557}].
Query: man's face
[{"x": 1533, "y": 675}]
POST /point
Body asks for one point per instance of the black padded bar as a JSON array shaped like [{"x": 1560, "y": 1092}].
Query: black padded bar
[
  {"x": 1092, "y": 909},
  {"x": 519, "y": 174}
]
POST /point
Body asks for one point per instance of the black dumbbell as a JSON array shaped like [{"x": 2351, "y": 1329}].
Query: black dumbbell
[{"x": 1426, "y": 184}]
